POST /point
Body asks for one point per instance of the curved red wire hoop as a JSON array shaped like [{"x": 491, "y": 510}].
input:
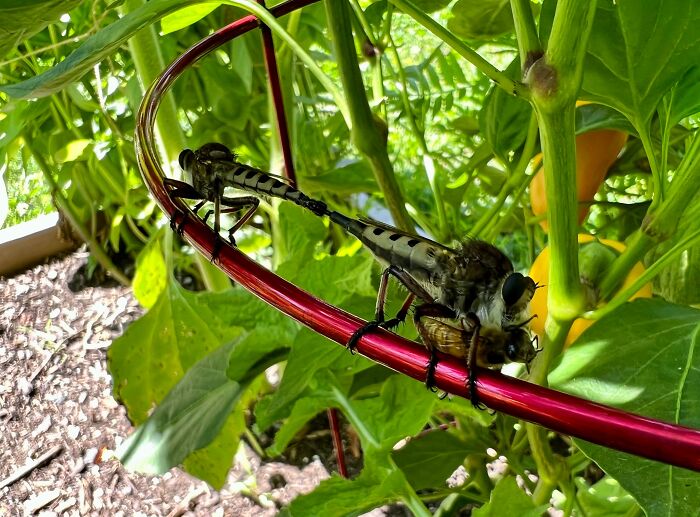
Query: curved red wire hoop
[{"x": 646, "y": 437}]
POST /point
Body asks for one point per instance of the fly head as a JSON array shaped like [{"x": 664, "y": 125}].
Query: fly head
[{"x": 517, "y": 291}]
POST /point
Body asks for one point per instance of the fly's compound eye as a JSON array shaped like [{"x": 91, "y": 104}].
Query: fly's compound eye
[
  {"x": 186, "y": 159},
  {"x": 515, "y": 286}
]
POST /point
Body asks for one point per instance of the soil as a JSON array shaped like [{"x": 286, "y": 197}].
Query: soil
[{"x": 56, "y": 395}]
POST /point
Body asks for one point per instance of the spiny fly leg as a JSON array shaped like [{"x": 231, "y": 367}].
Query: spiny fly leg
[
  {"x": 236, "y": 204},
  {"x": 379, "y": 312},
  {"x": 430, "y": 336},
  {"x": 472, "y": 324}
]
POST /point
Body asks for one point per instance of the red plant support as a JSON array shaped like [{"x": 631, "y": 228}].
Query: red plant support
[{"x": 603, "y": 425}]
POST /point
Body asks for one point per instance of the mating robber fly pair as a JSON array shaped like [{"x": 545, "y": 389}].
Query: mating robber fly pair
[{"x": 470, "y": 303}]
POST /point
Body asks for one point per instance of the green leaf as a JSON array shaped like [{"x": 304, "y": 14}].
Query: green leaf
[
  {"x": 606, "y": 498},
  {"x": 480, "y": 19},
  {"x": 180, "y": 329},
  {"x": 686, "y": 96},
  {"x": 300, "y": 231},
  {"x": 508, "y": 499},
  {"x": 310, "y": 353},
  {"x": 151, "y": 275},
  {"x": 596, "y": 116},
  {"x": 189, "y": 418},
  {"x": 342, "y": 497},
  {"x": 390, "y": 417},
  {"x": 304, "y": 410},
  {"x": 20, "y": 20},
  {"x": 429, "y": 460},
  {"x": 349, "y": 179},
  {"x": 185, "y": 17},
  {"x": 18, "y": 115},
  {"x": 641, "y": 358},
  {"x": 96, "y": 48},
  {"x": 637, "y": 51},
  {"x": 213, "y": 462},
  {"x": 504, "y": 119}
]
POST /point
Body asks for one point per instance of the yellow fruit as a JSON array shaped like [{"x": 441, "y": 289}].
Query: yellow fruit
[
  {"x": 539, "y": 272},
  {"x": 596, "y": 151}
]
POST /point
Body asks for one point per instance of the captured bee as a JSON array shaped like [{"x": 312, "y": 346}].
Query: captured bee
[{"x": 484, "y": 347}]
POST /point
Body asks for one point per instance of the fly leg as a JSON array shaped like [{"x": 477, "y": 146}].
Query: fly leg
[
  {"x": 379, "y": 320},
  {"x": 433, "y": 310},
  {"x": 232, "y": 204},
  {"x": 472, "y": 325},
  {"x": 183, "y": 190}
]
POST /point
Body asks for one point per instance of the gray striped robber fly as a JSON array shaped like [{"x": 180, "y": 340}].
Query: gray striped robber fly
[{"x": 474, "y": 285}]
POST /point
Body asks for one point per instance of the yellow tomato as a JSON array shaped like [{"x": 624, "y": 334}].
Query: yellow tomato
[
  {"x": 596, "y": 151},
  {"x": 539, "y": 272}
]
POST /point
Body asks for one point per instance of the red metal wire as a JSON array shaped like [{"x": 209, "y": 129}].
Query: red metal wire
[{"x": 646, "y": 437}]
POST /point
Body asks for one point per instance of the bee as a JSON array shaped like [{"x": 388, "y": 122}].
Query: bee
[{"x": 483, "y": 347}]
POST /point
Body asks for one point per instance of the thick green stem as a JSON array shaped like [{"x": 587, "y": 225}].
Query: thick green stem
[
  {"x": 148, "y": 61},
  {"x": 661, "y": 221},
  {"x": 555, "y": 80},
  {"x": 500, "y": 78},
  {"x": 366, "y": 133},
  {"x": 65, "y": 207}
]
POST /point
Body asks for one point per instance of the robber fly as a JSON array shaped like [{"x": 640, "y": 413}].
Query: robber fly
[{"x": 474, "y": 284}]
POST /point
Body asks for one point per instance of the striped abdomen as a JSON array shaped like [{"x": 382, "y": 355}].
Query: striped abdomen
[
  {"x": 253, "y": 180},
  {"x": 416, "y": 255}
]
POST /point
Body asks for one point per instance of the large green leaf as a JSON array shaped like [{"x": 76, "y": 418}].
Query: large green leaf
[
  {"x": 95, "y": 49},
  {"x": 641, "y": 358},
  {"x": 180, "y": 329},
  {"x": 20, "y": 20},
  {"x": 638, "y": 50},
  {"x": 189, "y": 417},
  {"x": 349, "y": 179}
]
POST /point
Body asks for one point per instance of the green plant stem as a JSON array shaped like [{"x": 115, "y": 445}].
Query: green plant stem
[
  {"x": 660, "y": 222},
  {"x": 148, "y": 60},
  {"x": 529, "y": 44},
  {"x": 500, "y": 78},
  {"x": 365, "y": 132},
  {"x": 656, "y": 173},
  {"x": 428, "y": 162},
  {"x": 555, "y": 80},
  {"x": 566, "y": 299},
  {"x": 65, "y": 207},
  {"x": 646, "y": 277},
  {"x": 515, "y": 180},
  {"x": 549, "y": 467}
]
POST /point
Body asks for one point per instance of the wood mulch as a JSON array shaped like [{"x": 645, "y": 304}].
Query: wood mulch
[{"x": 56, "y": 401}]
